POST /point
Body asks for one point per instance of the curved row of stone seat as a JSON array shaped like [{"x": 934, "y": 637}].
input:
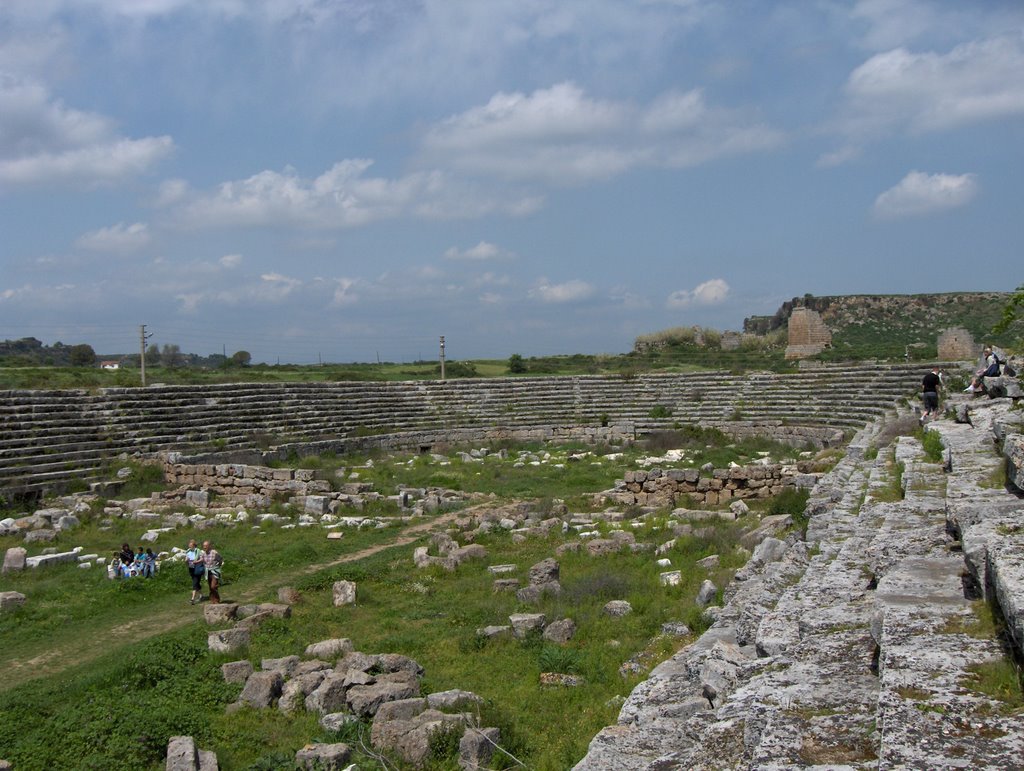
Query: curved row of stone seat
[
  {"x": 858, "y": 648},
  {"x": 37, "y": 424}
]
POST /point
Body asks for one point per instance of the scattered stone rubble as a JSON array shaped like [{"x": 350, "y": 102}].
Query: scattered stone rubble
[{"x": 345, "y": 685}]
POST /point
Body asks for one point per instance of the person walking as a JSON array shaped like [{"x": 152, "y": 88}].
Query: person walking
[
  {"x": 930, "y": 385},
  {"x": 194, "y": 558},
  {"x": 213, "y": 563}
]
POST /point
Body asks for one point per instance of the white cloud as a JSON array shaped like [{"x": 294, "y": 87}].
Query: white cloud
[
  {"x": 570, "y": 291},
  {"x": 270, "y": 288},
  {"x": 919, "y": 193},
  {"x": 44, "y": 142},
  {"x": 839, "y": 157},
  {"x": 893, "y": 23},
  {"x": 889, "y": 24},
  {"x": 710, "y": 292},
  {"x": 919, "y": 92},
  {"x": 343, "y": 294},
  {"x": 118, "y": 238},
  {"x": 562, "y": 136},
  {"x": 482, "y": 251},
  {"x": 341, "y": 197},
  {"x": 171, "y": 191},
  {"x": 628, "y": 299},
  {"x": 230, "y": 260}
]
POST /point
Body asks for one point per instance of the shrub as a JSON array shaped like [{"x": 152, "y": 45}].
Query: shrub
[
  {"x": 931, "y": 442},
  {"x": 660, "y": 411},
  {"x": 792, "y": 501},
  {"x": 557, "y": 659}
]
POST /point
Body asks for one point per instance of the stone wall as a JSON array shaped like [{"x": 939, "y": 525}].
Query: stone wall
[
  {"x": 676, "y": 487},
  {"x": 244, "y": 479},
  {"x": 808, "y": 334},
  {"x": 957, "y": 344}
]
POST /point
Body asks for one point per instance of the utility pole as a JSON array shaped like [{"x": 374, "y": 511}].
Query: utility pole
[
  {"x": 143, "y": 337},
  {"x": 442, "y": 357}
]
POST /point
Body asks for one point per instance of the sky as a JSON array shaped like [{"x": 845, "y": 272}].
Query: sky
[{"x": 348, "y": 180}]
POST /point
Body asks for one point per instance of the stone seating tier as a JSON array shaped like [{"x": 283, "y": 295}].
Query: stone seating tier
[
  {"x": 858, "y": 647},
  {"x": 38, "y": 426}
]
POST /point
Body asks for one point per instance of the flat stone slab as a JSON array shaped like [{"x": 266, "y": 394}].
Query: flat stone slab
[
  {"x": 228, "y": 640},
  {"x": 11, "y": 600}
]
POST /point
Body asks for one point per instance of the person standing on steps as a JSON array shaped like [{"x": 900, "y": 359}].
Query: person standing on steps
[
  {"x": 930, "y": 386},
  {"x": 194, "y": 558},
  {"x": 213, "y": 563}
]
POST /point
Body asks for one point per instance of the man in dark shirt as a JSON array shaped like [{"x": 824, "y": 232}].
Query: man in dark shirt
[{"x": 930, "y": 386}]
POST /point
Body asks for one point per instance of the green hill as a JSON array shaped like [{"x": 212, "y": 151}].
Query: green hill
[{"x": 895, "y": 326}]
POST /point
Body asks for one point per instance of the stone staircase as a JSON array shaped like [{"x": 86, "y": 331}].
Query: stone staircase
[
  {"x": 49, "y": 437},
  {"x": 858, "y": 648}
]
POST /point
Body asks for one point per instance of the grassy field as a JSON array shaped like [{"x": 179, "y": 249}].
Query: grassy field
[
  {"x": 116, "y": 667},
  {"x": 680, "y": 359}
]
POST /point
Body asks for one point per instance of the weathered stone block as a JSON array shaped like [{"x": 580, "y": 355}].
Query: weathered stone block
[
  {"x": 218, "y": 613},
  {"x": 11, "y": 600},
  {"x": 236, "y": 671},
  {"x": 330, "y": 649},
  {"x": 228, "y": 640},
  {"x": 525, "y": 623},
  {"x": 199, "y": 499},
  {"x": 261, "y": 688},
  {"x": 344, "y": 593},
  {"x": 560, "y": 631},
  {"x": 14, "y": 559},
  {"x": 323, "y": 757}
]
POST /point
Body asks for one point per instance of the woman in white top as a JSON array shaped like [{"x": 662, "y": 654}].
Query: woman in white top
[{"x": 195, "y": 559}]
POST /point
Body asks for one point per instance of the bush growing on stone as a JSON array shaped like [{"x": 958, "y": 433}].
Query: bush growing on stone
[
  {"x": 444, "y": 741},
  {"x": 660, "y": 411},
  {"x": 931, "y": 442}
]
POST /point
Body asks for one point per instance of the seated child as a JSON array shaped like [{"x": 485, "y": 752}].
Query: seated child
[{"x": 148, "y": 563}]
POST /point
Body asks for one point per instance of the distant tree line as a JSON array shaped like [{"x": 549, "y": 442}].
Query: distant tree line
[{"x": 30, "y": 352}]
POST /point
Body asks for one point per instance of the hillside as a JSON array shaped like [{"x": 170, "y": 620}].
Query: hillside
[{"x": 891, "y": 326}]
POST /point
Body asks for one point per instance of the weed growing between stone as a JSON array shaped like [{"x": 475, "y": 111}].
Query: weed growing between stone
[
  {"x": 931, "y": 442},
  {"x": 1000, "y": 680}
]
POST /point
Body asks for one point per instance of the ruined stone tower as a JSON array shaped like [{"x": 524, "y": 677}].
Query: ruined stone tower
[
  {"x": 957, "y": 344},
  {"x": 808, "y": 334}
]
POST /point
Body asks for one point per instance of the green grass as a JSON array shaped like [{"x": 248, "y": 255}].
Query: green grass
[
  {"x": 999, "y": 679},
  {"x": 892, "y": 490},
  {"x": 67, "y": 603},
  {"x": 561, "y": 476},
  {"x": 431, "y": 615},
  {"x": 17, "y": 375},
  {"x": 931, "y": 442}
]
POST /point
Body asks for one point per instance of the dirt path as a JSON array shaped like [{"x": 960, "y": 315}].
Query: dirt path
[{"x": 82, "y": 650}]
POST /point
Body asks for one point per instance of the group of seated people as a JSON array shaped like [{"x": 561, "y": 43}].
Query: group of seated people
[
  {"x": 993, "y": 364},
  {"x": 129, "y": 564}
]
